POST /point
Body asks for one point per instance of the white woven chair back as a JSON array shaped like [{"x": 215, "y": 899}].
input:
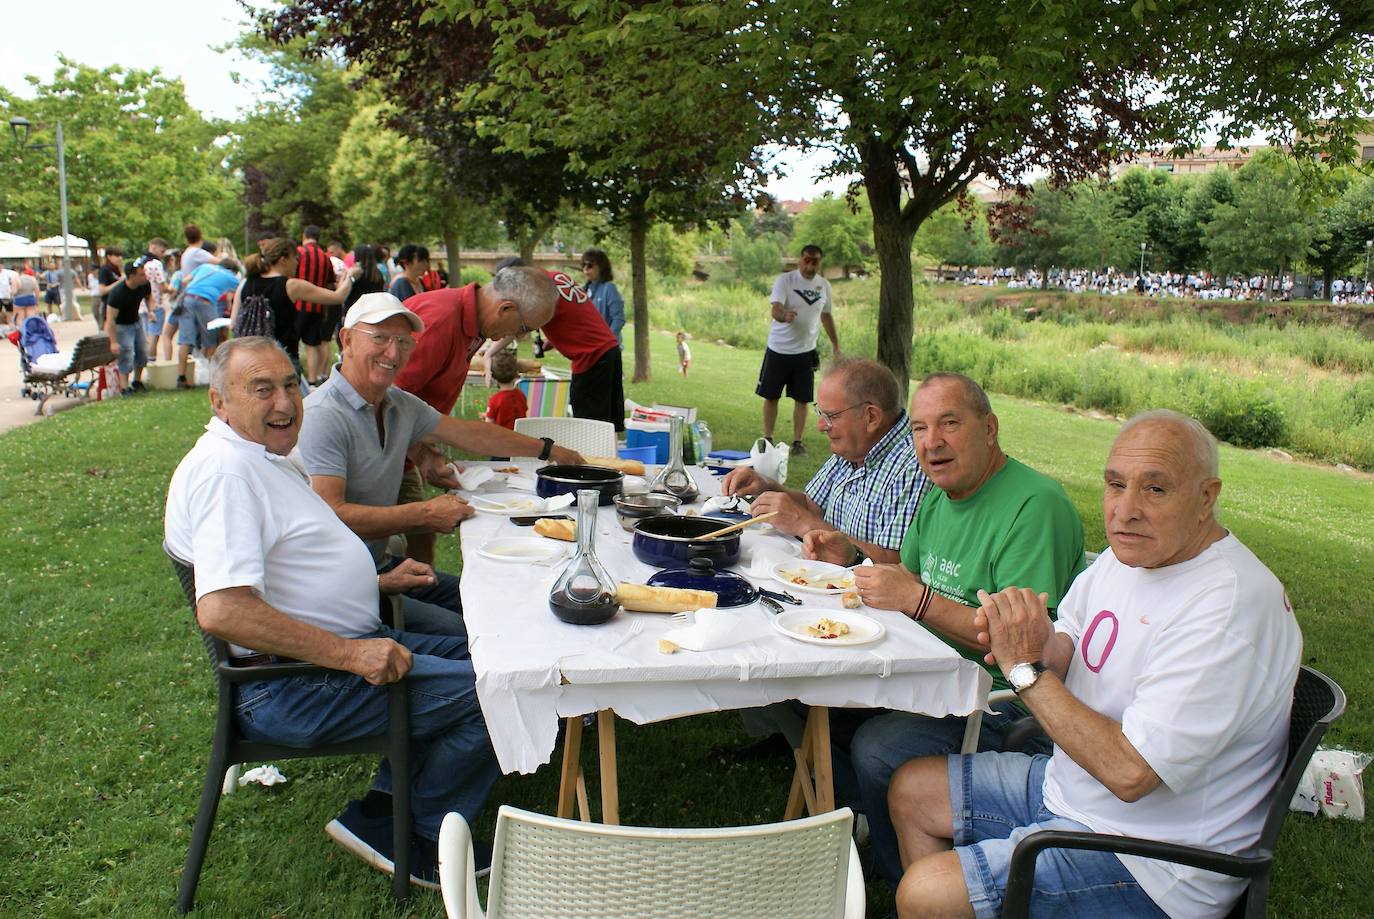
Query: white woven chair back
[
  {"x": 587, "y": 436},
  {"x": 544, "y": 866}
]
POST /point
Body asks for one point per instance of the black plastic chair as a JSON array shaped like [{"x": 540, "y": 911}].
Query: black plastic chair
[
  {"x": 231, "y": 748},
  {"x": 1317, "y": 702}
]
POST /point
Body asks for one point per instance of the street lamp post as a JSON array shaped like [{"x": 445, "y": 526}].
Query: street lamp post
[
  {"x": 1142, "y": 260},
  {"x": 20, "y": 127},
  {"x": 1368, "y": 244}
]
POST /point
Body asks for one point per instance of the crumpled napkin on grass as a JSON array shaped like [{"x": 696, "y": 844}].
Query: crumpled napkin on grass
[{"x": 262, "y": 775}]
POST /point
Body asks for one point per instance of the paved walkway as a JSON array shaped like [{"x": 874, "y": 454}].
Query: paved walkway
[{"x": 15, "y": 410}]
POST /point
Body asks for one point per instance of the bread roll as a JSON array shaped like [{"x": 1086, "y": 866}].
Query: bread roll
[
  {"x": 629, "y": 467},
  {"x": 565, "y": 530},
  {"x": 641, "y": 598}
]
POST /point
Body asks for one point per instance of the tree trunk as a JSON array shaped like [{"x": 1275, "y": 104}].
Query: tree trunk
[
  {"x": 527, "y": 243},
  {"x": 892, "y": 238},
  {"x": 1328, "y": 275},
  {"x": 455, "y": 265},
  {"x": 639, "y": 230}
]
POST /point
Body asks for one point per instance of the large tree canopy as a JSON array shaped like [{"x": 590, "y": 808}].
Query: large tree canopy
[{"x": 140, "y": 161}]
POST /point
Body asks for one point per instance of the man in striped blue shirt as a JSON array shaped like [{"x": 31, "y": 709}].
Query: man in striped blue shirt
[{"x": 870, "y": 487}]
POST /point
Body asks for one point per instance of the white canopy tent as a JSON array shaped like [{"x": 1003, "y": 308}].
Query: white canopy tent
[
  {"x": 76, "y": 246},
  {"x": 13, "y": 246}
]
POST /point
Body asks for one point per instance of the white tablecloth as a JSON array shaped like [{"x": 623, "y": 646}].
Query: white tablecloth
[{"x": 533, "y": 669}]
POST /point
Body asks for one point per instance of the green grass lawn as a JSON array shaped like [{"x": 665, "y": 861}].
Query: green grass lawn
[{"x": 108, "y": 704}]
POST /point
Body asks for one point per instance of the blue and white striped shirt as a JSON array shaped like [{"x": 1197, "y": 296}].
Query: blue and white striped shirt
[{"x": 876, "y": 500}]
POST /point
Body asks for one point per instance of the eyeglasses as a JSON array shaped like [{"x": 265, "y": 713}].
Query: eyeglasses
[
  {"x": 828, "y": 418},
  {"x": 383, "y": 341}
]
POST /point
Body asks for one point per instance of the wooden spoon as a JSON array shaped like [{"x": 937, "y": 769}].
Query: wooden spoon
[{"x": 739, "y": 526}]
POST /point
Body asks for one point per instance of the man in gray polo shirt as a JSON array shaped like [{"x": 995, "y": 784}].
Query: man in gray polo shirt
[{"x": 360, "y": 429}]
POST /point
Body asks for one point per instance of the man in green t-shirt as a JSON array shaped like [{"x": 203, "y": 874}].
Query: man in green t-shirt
[{"x": 990, "y": 522}]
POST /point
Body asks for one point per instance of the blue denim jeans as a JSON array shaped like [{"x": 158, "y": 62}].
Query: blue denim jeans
[
  {"x": 453, "y": 767},
  {"x": 997, "y": 799},
  {"x": 195, "y": 315},
  {"x": 133, "y": 347},
  {"x": 890, "y": 739}
]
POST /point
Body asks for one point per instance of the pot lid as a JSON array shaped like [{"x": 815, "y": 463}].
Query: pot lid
[{"x": 731, "y": 590}]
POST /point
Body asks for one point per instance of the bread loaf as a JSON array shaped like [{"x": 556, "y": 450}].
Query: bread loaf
[
  {"x": 556, "y": 529},
  {"x": 641, "y": 598},
  {"x": 629, "y": 467}
]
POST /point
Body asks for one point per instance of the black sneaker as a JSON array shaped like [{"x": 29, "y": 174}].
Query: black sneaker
[
  {"x": 369, "y": 838},
  {"x": 424, "y": 861},
  {"x": 798, "y": 448},
  {"x": 138, "y": 386},
  {"x": 182, "y": 384}
]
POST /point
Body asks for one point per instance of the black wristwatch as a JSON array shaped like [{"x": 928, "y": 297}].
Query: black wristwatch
[{"x": 548, "y": 448}]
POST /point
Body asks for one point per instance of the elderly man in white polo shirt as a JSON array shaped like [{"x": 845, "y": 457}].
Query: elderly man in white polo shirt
[{"x": 279, "y": 574}]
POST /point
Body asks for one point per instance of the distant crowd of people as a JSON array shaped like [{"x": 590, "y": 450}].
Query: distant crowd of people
[{"x": 1196, "y": 285}]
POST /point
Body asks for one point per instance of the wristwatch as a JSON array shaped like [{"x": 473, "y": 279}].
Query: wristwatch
[
  {"x": 1023, "y": 676},
  {"x": 548, "y": 448}
]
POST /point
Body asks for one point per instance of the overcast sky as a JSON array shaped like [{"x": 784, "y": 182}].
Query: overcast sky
[{"x": 179, "y": 39}]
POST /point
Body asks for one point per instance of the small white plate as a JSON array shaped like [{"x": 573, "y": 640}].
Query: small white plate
[
  {"x": 794, "y": 622},
  {"x": 508, "y": 504},
  {"x": 817, "y": 574},
  {"x": 527, "y": 549}
]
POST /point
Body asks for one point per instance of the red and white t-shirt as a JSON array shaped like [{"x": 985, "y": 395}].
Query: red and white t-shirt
[{"x": 577, "y": 329}]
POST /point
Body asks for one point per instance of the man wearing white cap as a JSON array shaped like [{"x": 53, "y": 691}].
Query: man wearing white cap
[{"x": 359, "y": 430}]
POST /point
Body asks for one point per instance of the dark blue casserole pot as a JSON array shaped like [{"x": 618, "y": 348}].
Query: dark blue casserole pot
[
  {"x": 672, "y": 542},
  {"x": 555, "y": 480}
]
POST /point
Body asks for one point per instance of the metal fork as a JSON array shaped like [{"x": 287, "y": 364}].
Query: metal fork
[{"x": 683, "y": 618}]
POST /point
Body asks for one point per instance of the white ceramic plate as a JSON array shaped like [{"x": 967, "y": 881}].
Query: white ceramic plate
[
  {"x": 526, "y": 549},
  {"x": 816, "y": 575},
  {"x": 508, "y": 503},
  {"x": 862, "y": 629}
]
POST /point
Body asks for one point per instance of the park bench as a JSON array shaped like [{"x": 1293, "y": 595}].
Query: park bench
[{"x": 90, "y": 354}]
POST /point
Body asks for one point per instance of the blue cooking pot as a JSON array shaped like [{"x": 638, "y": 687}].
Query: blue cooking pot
[
  {"x": 555, "y": 480},
  {"x": 672, "y": 542}
]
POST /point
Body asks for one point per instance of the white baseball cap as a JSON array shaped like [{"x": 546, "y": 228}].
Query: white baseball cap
[{"x": 379, "y": 307}]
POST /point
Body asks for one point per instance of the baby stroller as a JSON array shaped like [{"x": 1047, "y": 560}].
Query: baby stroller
[{"x": 35, "y": 340}]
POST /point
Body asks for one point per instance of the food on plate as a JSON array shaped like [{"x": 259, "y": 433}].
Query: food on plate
[
  {"x": 507, "y": 470},
  {"x": 828, "y": 628},
  {"x": 641, "y": 598},
  {"x": 824, "y": 583},
  {"x": 629, "y": 467},
  {"x": 565, "y": 530},
  {"x": 850, "y": 599},
  {"x": 667, "y": 647}
]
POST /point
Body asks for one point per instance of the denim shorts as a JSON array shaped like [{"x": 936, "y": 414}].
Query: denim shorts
[
  {"x": 997, "y": 798},
  {"x": 133, "y": 347},
  {"x": 196, "y": 313},
  {"x": 156, "y": 317}
]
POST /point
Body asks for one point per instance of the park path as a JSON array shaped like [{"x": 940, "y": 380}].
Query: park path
[{"x": 15, "y": 410}]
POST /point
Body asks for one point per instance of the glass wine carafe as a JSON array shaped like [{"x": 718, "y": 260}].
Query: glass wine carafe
[
  {"x": 674, "y": 479},
  {"x": 584, "y": 593}
]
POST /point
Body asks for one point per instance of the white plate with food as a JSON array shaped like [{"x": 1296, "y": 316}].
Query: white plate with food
[
  {"x": 814, "y": 577},
  {"x": 531, "y": 550},
  {"x": 828, "y": 626},
  {"x": 513, "y": 504}
]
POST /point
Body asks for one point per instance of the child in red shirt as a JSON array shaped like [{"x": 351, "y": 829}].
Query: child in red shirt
[{"x": 508, "y": 403}]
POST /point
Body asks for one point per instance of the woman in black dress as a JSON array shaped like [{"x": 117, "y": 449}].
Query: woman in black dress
[{"x": 265, "y": 302}]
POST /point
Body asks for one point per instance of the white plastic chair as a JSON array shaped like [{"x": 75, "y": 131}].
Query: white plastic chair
[
  {"x": 548, "y": 866},
  {"x": 587, "y": 436}
]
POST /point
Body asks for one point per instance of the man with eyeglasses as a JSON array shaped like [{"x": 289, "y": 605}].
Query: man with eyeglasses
[
  {"x": 870, "y": 487},
  {"x": 360, "y": 429}
]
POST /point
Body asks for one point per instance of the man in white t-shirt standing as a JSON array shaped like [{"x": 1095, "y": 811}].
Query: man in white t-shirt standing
[
  {"x": 1165, "y": 685},
  {"x": 801, "y": 302},
  {"x": 9, "y": 283}
]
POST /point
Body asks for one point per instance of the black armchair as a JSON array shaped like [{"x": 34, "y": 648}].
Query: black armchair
[
  {"x": 1317, "y": 702},
  {"x": 231, "y": 748}
]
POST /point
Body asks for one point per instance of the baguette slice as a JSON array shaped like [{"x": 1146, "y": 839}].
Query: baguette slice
[
  {"x": 641, "y": 598},
  {"x": 629, "y": 467},
  {"x": 565, "y": 530}
]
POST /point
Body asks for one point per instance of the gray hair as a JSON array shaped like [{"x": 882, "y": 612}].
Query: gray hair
[
  {"x": 224, "y": 354},
  {"x": 1202, "y": 444},
  {"x": 974, "y": 394},
  {"x": 530, "y": 289},
  {"x": 867, "y": 381}
]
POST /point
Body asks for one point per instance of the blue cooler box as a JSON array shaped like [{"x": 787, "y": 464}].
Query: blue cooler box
[{"x": 648, "y": 434}]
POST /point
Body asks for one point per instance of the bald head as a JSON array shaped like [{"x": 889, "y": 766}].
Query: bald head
[{"x": 1193, "y": 439}]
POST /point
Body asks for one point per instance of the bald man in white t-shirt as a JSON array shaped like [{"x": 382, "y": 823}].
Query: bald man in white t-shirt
[{"x": 1165, "y": 684}]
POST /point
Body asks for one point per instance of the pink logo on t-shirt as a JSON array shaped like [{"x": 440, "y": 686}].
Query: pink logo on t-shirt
[{"x": 1101, "y": 617}]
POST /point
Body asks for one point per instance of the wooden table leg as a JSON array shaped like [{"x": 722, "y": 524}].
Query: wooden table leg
[
  {"x": 610, "y": 789},
  {"x": 572, "y": 765},
  {"x": 812, "y": 795}
]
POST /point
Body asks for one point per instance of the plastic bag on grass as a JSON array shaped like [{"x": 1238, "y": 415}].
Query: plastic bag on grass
[
  {"x": 1331, "y": 784},
  {"x": 770, "y": 460}
]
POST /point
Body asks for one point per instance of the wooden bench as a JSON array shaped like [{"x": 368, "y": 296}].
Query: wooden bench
[{"x": 90, "y": 354}]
